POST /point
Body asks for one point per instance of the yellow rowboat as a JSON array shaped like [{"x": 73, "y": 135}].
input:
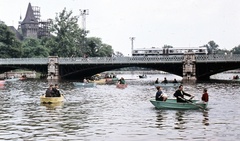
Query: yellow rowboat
[
  {"x": 50, "y": 100},
  {"x": 99, "y": 82},
  {"x": 52, "y": 105}
]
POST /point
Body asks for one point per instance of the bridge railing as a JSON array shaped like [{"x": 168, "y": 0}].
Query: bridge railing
[
  {"x": 6, "y": 61},
  {"x": 218, "y": 58},
  {"x": 109, "y": 60}
]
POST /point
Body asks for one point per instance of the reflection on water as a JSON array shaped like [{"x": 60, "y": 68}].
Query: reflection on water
[
  {"x": 106, "y": 113},
  {"x": 179, "y": 120},
  {"x": 205, "y": 118}
]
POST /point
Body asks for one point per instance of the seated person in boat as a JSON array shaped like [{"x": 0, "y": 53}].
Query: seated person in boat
[
  {"x": 56, "y": 91},
  {"x": 179, "y": 94},
  {"x": 159, "y": 95},
  {"x": 205, "y": 96},
  {"x": 121, "y": 81},
  {"x": 157, "y": 81},
  {"x": 49, "y": 91},
  {"x": 85, "y": 80},
  {"x": 175, "y": 81},
  {"x": 236, "y": 77},
  {"x": 165, "y": 80}
]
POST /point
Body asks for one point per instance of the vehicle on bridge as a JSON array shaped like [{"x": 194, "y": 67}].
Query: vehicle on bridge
[{"x": 154, "y": 51}]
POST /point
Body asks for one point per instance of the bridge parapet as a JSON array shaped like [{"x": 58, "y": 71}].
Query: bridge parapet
[
  {"x": 218, "y": 58},
  {"x": 17, "y": 61},
  {"x": 107, "y": 60}
]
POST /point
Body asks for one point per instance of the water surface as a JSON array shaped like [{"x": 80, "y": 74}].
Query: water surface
[{"x": 105, "y": 113}]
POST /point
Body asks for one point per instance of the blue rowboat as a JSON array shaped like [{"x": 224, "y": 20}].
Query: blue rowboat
[
  {"x": 111, "y": 80},
  {"x": 84, "y": 85},
  {"x": 173, "y": 104}
]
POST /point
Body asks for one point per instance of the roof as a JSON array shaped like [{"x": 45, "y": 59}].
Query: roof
[
  {"x": 29, "y": 18},
  {"x": 17, "y": 34}
]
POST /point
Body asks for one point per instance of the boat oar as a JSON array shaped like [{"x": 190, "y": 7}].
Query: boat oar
[
  {"x": 63, "y": 94},
  {"x": 192, "y": 103}
]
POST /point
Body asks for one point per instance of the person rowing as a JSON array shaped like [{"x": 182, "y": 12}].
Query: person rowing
[{"x": 179, "y": 94}]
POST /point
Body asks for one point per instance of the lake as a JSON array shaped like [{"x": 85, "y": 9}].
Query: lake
[{"x": 105, "y": 113}]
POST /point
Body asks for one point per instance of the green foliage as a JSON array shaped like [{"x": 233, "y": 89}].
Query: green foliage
[
  {"x": 70, "y": 40},
  {"x": 118, "y": 54},
  {"x": 167, "y": 46},
  {"x": 10, "y": 47},
  {"x": 68, "y": 37},
  {"x": 33, "y": 49},
  {"x": 236, "y": 50},
  {"x": 212, "y": 47},
  {"x": 95, "y": 48}
]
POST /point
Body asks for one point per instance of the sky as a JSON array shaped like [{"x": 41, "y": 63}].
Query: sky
[{"x": 153, "y": 23}]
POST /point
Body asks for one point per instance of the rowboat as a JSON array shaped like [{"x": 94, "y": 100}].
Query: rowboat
[
  {"x": 173, "y": 104},
  {"x": 121, "y": 86},
  {"x": 142, "y": 76},
  {"x": 12, "y": 79},
  {"x": 2, "y": 82},
  {"x": 84, "y": 85},
  {"x": 51, "y": 100},
  {"x": 167, "y": 85},
  {"x": 100, "y": 81},
  {"x": 111, "y": 80},
  {"x": 52, "y": 105}
]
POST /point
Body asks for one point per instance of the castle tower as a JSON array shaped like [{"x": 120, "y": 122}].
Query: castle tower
[{"x": 30, "y": 24}]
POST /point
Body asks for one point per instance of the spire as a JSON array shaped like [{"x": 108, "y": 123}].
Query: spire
[{"x": 29, "y": 18}]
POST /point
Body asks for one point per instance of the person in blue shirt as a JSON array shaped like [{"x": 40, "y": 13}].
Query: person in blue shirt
[{"x": 159, "y": 95}]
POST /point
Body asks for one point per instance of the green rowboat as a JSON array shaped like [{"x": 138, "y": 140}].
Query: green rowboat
[{"x": 172, "y": 104}]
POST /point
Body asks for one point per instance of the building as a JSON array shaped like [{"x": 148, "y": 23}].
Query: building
[{"x": 32, "y": 26}]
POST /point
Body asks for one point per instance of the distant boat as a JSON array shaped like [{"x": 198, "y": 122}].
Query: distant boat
[
  {"x": 121, "y": 86},
  {"x": 100, "y": 81},
  {"x": 173, "y": 104},
  {"x": 84, "y": 85},
  {"x": 12, "y": 79},
  {"x": 2, "y": 82},
  {"x": 143, "y": 76},
  {"x": 111, "y": 80}
]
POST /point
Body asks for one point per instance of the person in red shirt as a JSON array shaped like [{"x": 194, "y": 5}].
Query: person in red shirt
[{"x": 205, "y": 95}]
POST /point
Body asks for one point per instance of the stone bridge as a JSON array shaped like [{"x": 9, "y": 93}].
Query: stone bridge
[{"x": 188, "y": 66}]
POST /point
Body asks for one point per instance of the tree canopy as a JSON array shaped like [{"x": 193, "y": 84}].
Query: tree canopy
[{"x": 10, "y": 46}]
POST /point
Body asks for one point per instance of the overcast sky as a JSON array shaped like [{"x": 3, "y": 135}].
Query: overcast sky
[{"x": 153, "y": 23}]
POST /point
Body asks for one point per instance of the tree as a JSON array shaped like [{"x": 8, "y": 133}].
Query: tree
[
  {"x": 211, "y": 47},
  {"x": 236, "y": 50},
  {"x": 118, "y": 54},
  {"x": 95, "y": 48},
  {"x": 167, "y": 46},
  {"x": 70, "y": 40},
  {"x": 67, "y": 35},
  {"x": 10, "y": 46},
  {"x": 33, "y": 48}
]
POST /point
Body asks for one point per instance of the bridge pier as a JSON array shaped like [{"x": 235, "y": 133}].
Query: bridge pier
[
  {"x": 189, "y": 67},
  {"x": 53, "y": 68}
]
